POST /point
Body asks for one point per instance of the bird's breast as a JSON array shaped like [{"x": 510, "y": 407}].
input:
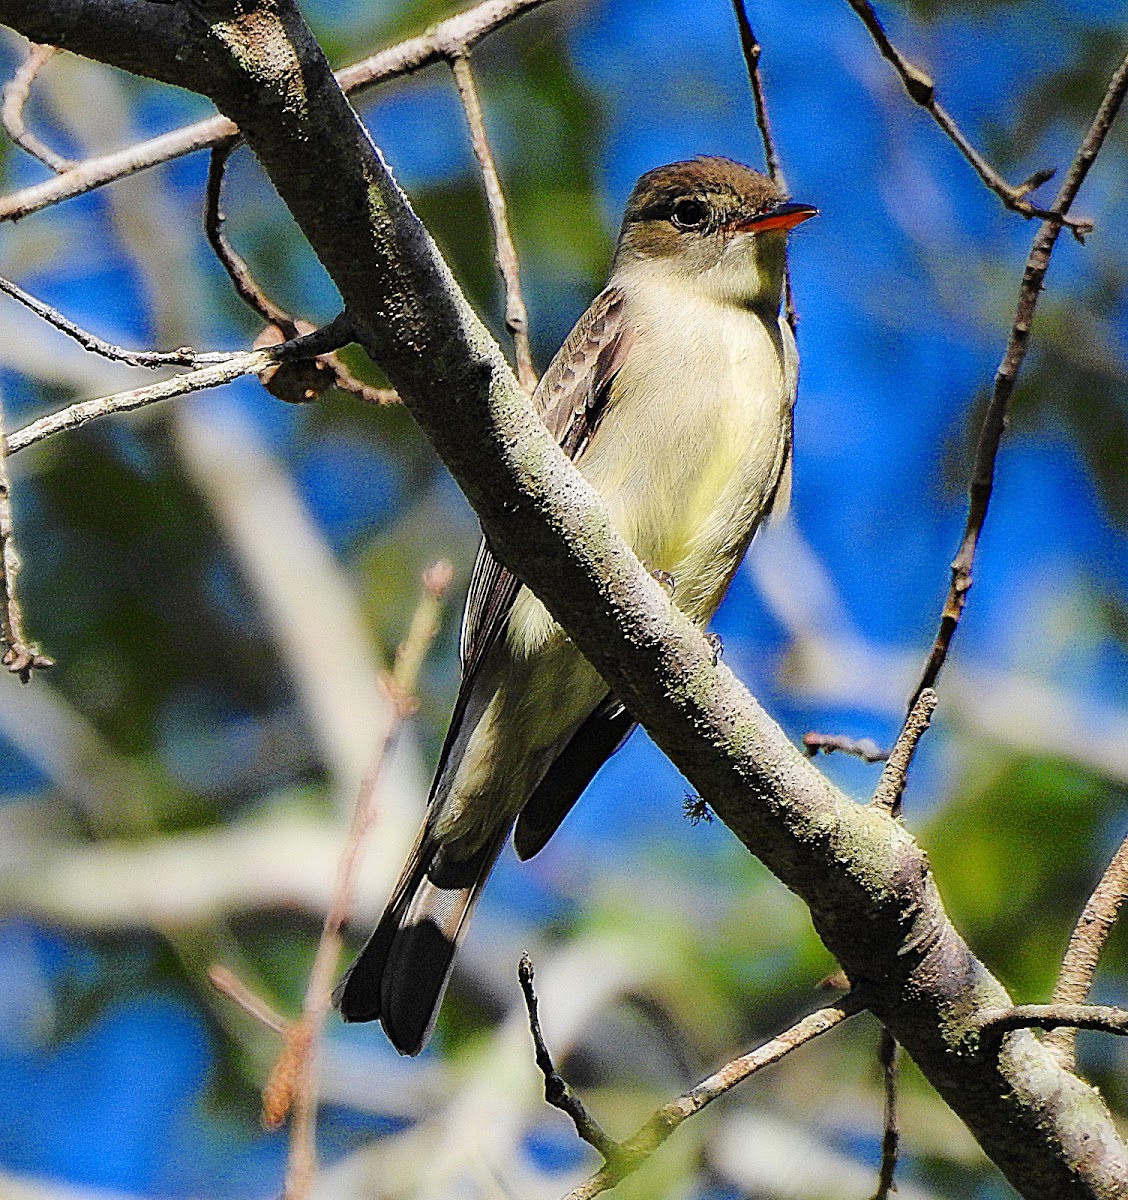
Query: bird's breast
[{"x": 689, "y": 453}]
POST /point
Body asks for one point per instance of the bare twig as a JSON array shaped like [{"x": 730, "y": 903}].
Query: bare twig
[
  {"x": 464, "y": 30},
  {"x": 556, "y": 1089},
  {"x": 420, "y": 634},
  {"x": 994, "y": 1022},
  {"x": 922, "y": 90},
  {"x": 345, "y": 381},
  {"x": 516, "y": 315},
  {"x": 1085, "y": 946},
  {"x": 292, "y": 1089},
  {"x": 750, "y": 45},
  {"x": 183, "y": 357},
  {"x": 16, "y": 92},
  {"x": 829, "y": 743},
  {"x": 752, "y": 49},
  {"x": 995, "y": 419},
  {"x": 629, "y": 1155},
  {"x": 296, "y": 381},
  {"x": 890, "y": 1140},
  {"x": 238, "y": 271},
  {"x": 231, "y": 367},
  {"x": 891, "y": 786},
  {"x": 16, "y": 653},
  {"x": 228, "y": 984}
]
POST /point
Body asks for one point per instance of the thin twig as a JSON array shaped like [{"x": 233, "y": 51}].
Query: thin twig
[
  {"x": 752, "y": 49},
  {"x": 1085, "y": 945},
  {"x": 16, "y": 653},
  {"x": 630, "y": 1155},
  {"x": 228, "y": 984},
  {"x": 891, "y": 1138},
  {"x": 891, "y": 786},
  {"x": 292, "y": 1087},
  {"x": 345, "y": 381},
  {"x": 464, "y": 29},
  {"x": 557, "y": 1091},
  {"x": 238, "y": 271},
  {"x": 992, "y": 1023},
  {"x": 296, "y": 381},
  {"x": 185, "y": 356},
  {"x": 750, "y": 46},
  {"x": 922, "y": 90},
  {"x": 232, "y": 367},
  {"x": 16, "y": 92},
  {"x": 829, "y": 743},
  {"x": 516, "y": 314},
  {"x": 995, "y": 419}
]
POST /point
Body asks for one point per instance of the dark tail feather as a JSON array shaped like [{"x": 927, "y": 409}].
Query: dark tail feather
[
  {"x": 402, "y": 972},
  {"x": 590, "y": 747}
]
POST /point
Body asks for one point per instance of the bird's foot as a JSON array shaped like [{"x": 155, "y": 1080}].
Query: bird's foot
[
  {"x": 665, "y": 581},
  {"x": 716, "y": 645}
]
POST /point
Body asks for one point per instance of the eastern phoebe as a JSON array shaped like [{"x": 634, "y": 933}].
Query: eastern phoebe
[{"x": 673, "y": 396}]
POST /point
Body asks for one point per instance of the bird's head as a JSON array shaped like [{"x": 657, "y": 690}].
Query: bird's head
[{"x": 719, "y": 226}]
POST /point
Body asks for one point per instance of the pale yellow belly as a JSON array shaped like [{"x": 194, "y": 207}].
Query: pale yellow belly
[{"x": 686, "y": 478}]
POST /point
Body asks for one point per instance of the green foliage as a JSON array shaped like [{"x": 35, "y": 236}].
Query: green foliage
[{"x": 1017, "y": 852}]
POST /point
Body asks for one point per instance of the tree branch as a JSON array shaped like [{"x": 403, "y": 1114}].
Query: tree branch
[
  {"x": 16, "y": 653},
  {"x": 16, "y": 93},
  {"x": 183, "y": 357},
  {"x": 516, "y": 315},
  {"x": 462, "y": 32},
  {"x": 253, "y": 362},
  {"x": 626, "y": 1157},
  {"x": 228, "y": 984},
  {"x": 1085, "y": 945},
  {"x": 751, "y": 49},
  {"x": 995, "y": 419},
  {"x": 994, "y": 1022},
  {"x": 868, "y": 886},
  {"x": 922, "y": 90},
  {"x": 891, "y": 1135},
  {"x": 839, "y": 743},
  {"x": 237, "y": 270},
  {"x": 295, "y": 381},
  {"x": 557, "y": 1091},
  {"x": 292, "y": 1088},
  {"x": 891, "y": 785}
]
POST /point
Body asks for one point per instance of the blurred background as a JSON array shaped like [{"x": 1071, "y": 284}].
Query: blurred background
[{"x": 223, "y": 578}]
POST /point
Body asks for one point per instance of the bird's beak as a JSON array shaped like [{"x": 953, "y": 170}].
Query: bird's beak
[{"x": 783, "y": 216}]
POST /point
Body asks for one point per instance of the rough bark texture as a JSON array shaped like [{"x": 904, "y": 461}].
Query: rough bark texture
[{"x": 868, "y": 886}]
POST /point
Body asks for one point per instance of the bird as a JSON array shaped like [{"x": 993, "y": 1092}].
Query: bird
[{"x": 673, "y": 395}]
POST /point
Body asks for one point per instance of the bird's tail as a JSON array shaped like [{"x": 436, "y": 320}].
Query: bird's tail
[{"x": 402, "y": 972}]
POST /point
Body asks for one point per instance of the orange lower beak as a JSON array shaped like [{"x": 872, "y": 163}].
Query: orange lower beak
[{"x": 783, "y": 216}]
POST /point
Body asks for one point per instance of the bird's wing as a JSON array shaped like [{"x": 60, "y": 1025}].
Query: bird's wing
[
  {"x": 576, "y": 388},
  {"x": 571, "y": 398},
  {"x": 780, "y": 499},
  {"x": 575, "y": 766}
]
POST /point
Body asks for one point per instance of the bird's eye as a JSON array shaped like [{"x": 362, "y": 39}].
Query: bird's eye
[{"x": 689, "y": 214}]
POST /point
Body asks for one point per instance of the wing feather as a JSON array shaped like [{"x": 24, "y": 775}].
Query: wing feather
[{"x": 572, "y": 397}]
